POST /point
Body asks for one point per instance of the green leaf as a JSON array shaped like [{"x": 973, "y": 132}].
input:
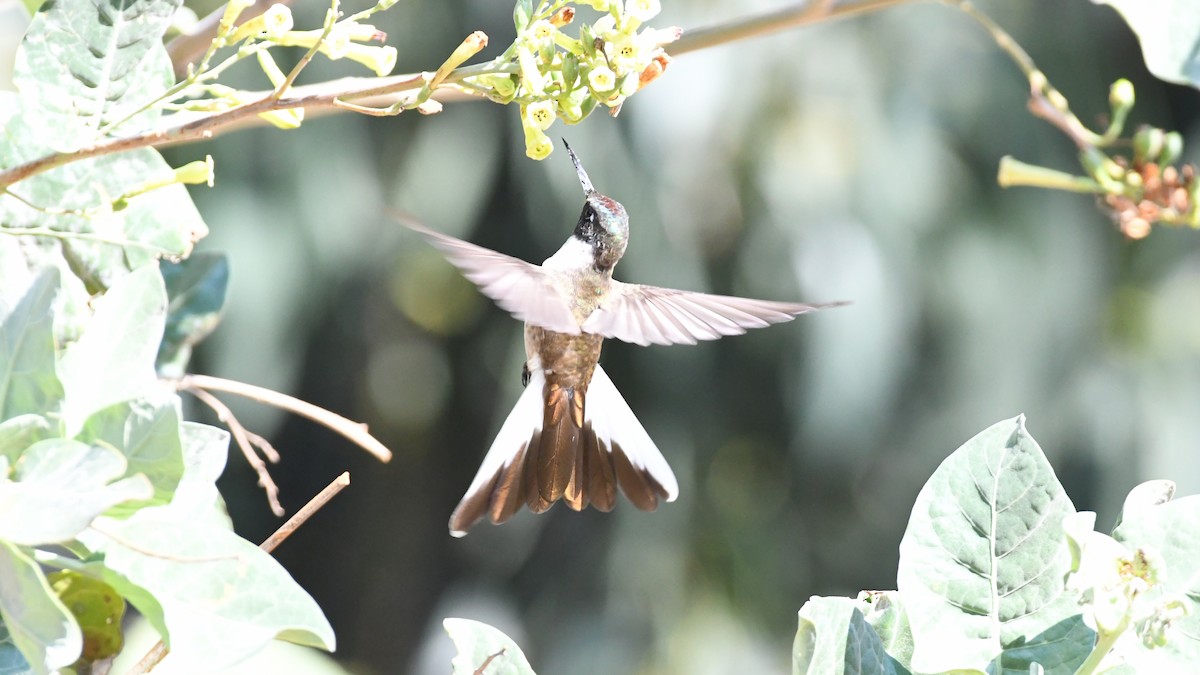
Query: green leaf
[
  {"x": 28, "y": 383},
  {"x": 482, "y": 648},
  {"x": 85, "y": 64},
  {"x": 1169, "y": 31},
  {"x": 834, "y": 638},
  {"x": 61, "y": 486},
  {"x": 885, "y": 612},
  {"x": 147, "y": 432},
  {"x": 97, "y": 609},
  {"x": 983, "y": 561},
  {"x": 1143, "y": 497},
  {"x": 205, "y": 449},
  {"x": 1171, "y": 533},
  {"x": 38, "y": 623},
  {"x": 114, "y": 359},
  {"x": 12, "y": 662},
  {"x": 196, "y": 290},
  {"x": 215, "y": 597},
  {"x": 20, "y": 432}
]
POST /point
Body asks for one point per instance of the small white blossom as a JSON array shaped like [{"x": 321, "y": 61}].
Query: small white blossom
[
  {"x": 642, "y": 10},
  {"x": 277, "y": 20},
  {"x": 601, "y": 78},
  {"x": 541, "y": 114}
]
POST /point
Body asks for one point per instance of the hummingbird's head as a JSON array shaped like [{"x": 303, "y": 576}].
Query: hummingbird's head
[{"x": 603, "y": 224}]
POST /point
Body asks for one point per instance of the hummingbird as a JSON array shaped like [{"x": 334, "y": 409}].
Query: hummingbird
[{"x": 571, "y": 435}]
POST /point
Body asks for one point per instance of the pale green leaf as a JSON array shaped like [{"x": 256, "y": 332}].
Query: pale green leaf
[
  {"x": 1145, "y": 496},
  {"x": 1171, "y": 533},
  {"x": 60, "y": 486},
  {"x": 1169, "y": 31},
  {"x": 196, "y": 290},
  {"x": 215, "y": 597},
  {"x": 84, "y": 65},
  {"x": 205, "y": 449},
  {"x": 983, "y": 562},
  {"x": 114, "y": 359},
  {"x": 482, "y": 648},
  {"x": 12, "y": 662},
  {"x": 147, "y": 432},
  {"x": 884, "y": 610},
  {"x": 834, "y": 638},
  {"x": 38, "y": 623},
  {"x": 20, "y": 432},
  {"x": 28, "y": 383}
]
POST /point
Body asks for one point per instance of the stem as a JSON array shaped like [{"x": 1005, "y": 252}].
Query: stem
[
  {"x": 791, "y": 16},
  {"x": 1105, "y": 641},
  {"x": 306, "y": 512},
  {"x": 352, "y": 430},
  {"x": 82, "y": 236}
]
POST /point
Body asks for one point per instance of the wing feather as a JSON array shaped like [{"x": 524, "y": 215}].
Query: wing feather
[
  {"x": 651, "y": 315},
  {"x": 526, "y": 291}
]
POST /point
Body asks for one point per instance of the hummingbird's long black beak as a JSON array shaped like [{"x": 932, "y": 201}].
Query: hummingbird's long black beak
[{"x": 583, "y": 177}]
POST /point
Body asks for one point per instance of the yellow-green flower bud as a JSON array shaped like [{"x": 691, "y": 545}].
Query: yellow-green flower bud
[
  {"x": 1120, "y": 95},
  {"x": 272, "y": 70},
  {"x": 570, "y": 70},
  {"x": 535, "y": 82},
  {"x": 379, "y": 59},
  {"x": 1147, "y": 145},
  {"x": 197, "y": 172},
  {"x": 1172, "y": 148}
]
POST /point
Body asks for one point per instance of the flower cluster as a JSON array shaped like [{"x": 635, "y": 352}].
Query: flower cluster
[
  {"x": 559, "y": 76},
  {"x": 1114, "y": 584}
]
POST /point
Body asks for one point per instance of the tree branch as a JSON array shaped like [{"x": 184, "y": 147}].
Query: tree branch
[
  {"x": 352, "y": 430},
  {"x": 773, "y": 21}
]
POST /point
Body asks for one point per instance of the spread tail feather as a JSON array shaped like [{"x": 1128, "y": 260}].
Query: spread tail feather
[{"x": 555, "y": 446}]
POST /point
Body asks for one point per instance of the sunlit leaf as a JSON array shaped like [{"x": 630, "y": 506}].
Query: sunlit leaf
[
  {"x": 884, "y": 610},
  {"x": 1169, "y": 31},
  {"x": 205, "y": 449},
  {"x": 38, "y": 623},
  {"x": 59, "y": 487},
  {"x": 215, "y": 597},
  {"x": 114, "y": 359},
  {"x": 85, "y": 64},
  {"x": 482, "y": 648},
  {"x": 984, "y": 559},
  {"x": 835, "y": 639},
  {"x": 20, "y": 432},
  {"x": 147, "y": 432},
  {"x": 28, "y": 382}
]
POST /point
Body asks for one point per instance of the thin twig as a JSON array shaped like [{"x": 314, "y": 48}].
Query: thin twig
[
  {"x": 159, "y": 651},
  {"x": 773, "y": 21},
  {"x": 352, "y": 430},
  {"x": 243, "y": 441},
  {"x": 264, "y": 446},
  {"x": 306, "y": 512}
]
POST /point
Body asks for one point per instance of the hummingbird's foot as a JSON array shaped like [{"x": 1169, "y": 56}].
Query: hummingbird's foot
[{"x": 525, "y": 375}]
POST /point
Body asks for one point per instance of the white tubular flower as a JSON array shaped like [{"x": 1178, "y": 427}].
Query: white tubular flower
[
  {"x": 642, "y": 10},
  {"x": 541, "y": 114},
  {"x": 379, "y": 59},
  {"x": 543, "y": 32},
  {"x": 628, "y": 53},
  {"x": 602, "y": 79},
  {"x": 277, "y": 20}
]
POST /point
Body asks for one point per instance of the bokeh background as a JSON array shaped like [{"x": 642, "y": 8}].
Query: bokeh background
[{"x": 850, "y": 160}]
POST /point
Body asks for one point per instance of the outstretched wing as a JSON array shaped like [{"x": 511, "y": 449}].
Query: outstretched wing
[
  {"x": 524, "y": 290},
  {"x": 650, "y": 315}
]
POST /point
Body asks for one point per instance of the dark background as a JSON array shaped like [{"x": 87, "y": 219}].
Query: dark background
[{"x": 851, "y": 160}]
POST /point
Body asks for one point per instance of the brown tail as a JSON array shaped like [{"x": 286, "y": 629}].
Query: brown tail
[{"x": 566, "y": 458}]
